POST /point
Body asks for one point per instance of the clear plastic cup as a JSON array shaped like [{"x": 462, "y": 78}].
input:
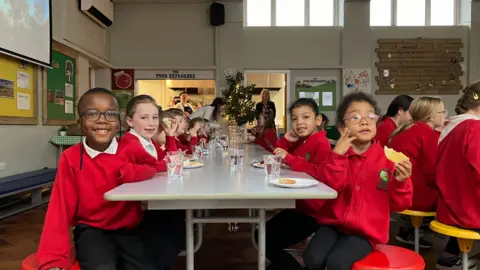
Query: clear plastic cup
[{"x": 272, "y": 165}]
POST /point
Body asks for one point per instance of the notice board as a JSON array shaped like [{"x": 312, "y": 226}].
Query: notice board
[
  {"x": 18, "y": 92},
  {"x": 60, "y": 90}
]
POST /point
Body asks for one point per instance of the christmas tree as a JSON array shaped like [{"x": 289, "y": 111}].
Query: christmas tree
[{"x": 239, "y": 108}]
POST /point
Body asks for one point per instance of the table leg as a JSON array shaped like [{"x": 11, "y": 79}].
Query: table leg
[
  {"x": 261, "y": 239},
  {"x": 190, "y": 239}
]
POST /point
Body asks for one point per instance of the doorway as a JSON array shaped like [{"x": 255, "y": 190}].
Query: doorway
[
  {"x": 276, "y": 82},
  {"x": 167, "y": 92}
]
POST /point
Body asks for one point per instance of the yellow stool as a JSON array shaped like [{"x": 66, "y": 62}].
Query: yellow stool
[
  {"x": 464, "y": 237},
  {"x": 417, "y": 220}
]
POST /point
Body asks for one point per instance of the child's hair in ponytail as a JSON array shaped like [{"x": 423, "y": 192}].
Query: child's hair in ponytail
[
  {"x": 421, "y": 110},
  {"x": 470, "y": 100}
]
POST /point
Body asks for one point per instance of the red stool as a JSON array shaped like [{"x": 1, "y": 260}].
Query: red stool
[
  {"x": 391, "y": 257},
  {"x": 30, "y": 263}
]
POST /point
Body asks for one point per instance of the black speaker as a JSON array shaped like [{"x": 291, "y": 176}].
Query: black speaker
[{"x": 217, "y": 14}]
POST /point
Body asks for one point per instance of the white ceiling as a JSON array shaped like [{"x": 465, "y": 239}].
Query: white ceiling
[{"x": 172, "y": 1}]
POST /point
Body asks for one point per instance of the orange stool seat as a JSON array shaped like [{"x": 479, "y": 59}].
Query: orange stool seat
[
  {"x": 391, "y": 257},
  {"x": 30, "y": 263}
]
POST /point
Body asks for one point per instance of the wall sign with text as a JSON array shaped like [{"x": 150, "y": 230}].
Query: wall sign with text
[{"x": 152, "y": 74}]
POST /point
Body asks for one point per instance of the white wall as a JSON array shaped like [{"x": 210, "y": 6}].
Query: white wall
[
  {"x": 156, "y": 38},
  {"x": 162, "y": 35},
  {"x": 27, "y": 148}
]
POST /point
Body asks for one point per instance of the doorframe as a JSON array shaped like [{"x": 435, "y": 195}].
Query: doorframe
[{"x": 286, "y": 123}]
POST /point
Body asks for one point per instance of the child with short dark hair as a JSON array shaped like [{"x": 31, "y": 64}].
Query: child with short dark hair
[
  {"x": 369, "y": 187},
  {"x": 106, "y": 233},
  {"x": 300, "y": 147}
]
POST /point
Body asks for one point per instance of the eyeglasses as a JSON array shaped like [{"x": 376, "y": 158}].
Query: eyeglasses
[
  {"x": 94, "y": 115},
  {"x": 356, "y": 118}
]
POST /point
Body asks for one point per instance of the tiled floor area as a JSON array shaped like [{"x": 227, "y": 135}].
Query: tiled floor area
[{"x": 19, "y": 236}]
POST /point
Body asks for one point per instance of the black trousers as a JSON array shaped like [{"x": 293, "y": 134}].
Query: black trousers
[
  {"x": 335, "y": 250},
  {"x": 452, "y": 244},
  {"x": 99, "y": 249},
  {"x": 164, "y": 236},
  {"x": 287, "y": 228}
]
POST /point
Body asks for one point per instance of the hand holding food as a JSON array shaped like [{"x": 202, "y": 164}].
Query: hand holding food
[{"x": 394, "y": 156}]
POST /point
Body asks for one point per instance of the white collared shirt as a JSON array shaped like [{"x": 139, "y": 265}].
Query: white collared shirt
[
  {"x": 147, "y": 144},
  {"x": 112, "y": 148}
]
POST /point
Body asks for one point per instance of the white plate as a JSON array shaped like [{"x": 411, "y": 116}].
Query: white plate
[
  {"x": 261, "y": 165},
  {"x": 299, "y": 183},
  {"x": 192, "y": 165}
]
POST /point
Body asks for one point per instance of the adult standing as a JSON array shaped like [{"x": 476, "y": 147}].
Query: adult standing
[
  {"x": 212, "y": 112},
  {"x": 184, "y": 105},
  {"x": 266, "y": 105}
]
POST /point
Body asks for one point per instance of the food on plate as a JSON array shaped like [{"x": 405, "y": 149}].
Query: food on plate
[
  {"x": 189, "y": 163},
  {"x": 286, "y": 181},
  {"x": 394, "y": 156}
]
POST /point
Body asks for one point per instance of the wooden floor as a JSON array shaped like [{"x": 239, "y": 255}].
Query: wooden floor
[{"x": 20, "y": 234}]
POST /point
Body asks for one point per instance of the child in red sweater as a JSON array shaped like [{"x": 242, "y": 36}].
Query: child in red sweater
[
  {"x": 204, "y": 132},
  {"x": 106, "y": 233},
  {"x": 397, "y": 115},
  {"x": 165, "y": 233},
  {"x": 369, "y": 187},
  {"x": 418, "y": 140},
  {"x": 181, "y": 140},
  {"x": 305, "y": 145},
  {"x": 265, "y": 133},
  {"x": 458, "y": 173},
  {"x": 137, "y": 145}
]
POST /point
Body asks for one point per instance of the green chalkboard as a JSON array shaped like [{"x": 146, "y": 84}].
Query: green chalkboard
[{"x": 61, "y": 90}]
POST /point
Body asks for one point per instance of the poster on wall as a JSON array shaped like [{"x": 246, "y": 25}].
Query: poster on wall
[
  {"x": 322, "y": 90},
  {"x": 355, "y": 80},
  {"x": 123, "y": 79}
]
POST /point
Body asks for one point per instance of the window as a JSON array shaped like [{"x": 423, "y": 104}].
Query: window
[
  {"x": 413, "y": 12},
  {"x": 290, "y": 13},
  {"x": 442, "y": 12},
  {"x": 381, "y": 12},
  {"x": 258, "y": 12},
  {"x": 410, "y": 12},
  {"x": 321, "y": 12}
]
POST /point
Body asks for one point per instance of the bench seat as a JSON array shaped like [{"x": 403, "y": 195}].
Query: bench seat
[{"x": 25, "y": 181}]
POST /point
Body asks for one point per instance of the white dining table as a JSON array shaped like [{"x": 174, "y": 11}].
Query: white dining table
[{"x": 217, "y": 185}]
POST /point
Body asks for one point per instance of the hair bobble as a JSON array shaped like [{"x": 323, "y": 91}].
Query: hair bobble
[{"x": 475, "y": 96}]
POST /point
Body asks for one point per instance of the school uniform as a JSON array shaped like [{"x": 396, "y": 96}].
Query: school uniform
[
  {"x": 384, "y": 129},
  {"x": 291, "y": 226},
  {"x": 203, "y": 137},
  {"x": 136, "y": 149},
  {"x": 458, "y": 173},
  {"x": 105, "y": 231},
  {"x": 185, "y": 145},
  {"x": 164, "y": 229},
  {"x": 420, "y": 144},
  {"x": 359, "y": 218},
  {"x": 268, "y": 139}
]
